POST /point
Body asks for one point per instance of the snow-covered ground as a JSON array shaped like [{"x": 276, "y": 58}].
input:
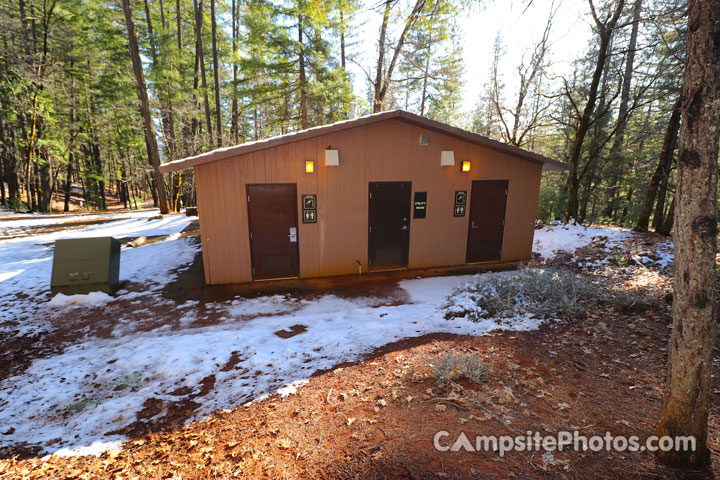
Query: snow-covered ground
[
  {"x": 26, "y": 262},
  {"x": 71, "y": 402},
  {"x": 559, "y": 237}
]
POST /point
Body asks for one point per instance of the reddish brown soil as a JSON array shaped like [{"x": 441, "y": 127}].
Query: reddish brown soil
[
  {"x": 376, "y": 419},
  {"x": 599, "y": 372}
]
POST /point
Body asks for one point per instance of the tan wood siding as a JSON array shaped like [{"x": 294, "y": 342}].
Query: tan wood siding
[{"x": 381, "y": 151}]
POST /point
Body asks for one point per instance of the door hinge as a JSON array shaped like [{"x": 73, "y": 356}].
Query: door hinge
[
  {"x": 248, "y": 198},
  {"x": 506, "y": 190},
  {"x": 370, "y": 229},
  {"x": 370, "y": 194},
  {"x": 253, "y": 270},
  {"x": 251, "y": 234},
  {"x": 503, "y": 224}
]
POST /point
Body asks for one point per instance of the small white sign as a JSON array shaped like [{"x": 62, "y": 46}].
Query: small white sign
[
  {"x": 447, "y": 158},
  {"x": 332, "y": 158}
]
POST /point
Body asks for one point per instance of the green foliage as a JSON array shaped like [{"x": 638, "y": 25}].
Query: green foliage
[
  {"x": 69, "y": 106},
  {"x": 271, "y": 81},
  {"x": 553, "y": 197}
]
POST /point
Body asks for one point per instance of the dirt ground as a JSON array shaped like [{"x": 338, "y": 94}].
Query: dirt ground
[{"x": 598, "y": 372}]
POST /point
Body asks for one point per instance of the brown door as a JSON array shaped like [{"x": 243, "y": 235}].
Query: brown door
[
  {"x": 272, "y": 211},
  {"x": 389, "y": 225},
  {"x": 487, "y": 220}
]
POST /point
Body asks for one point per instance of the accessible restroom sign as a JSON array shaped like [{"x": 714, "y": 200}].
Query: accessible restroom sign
[{"x": 309, "y": 204}]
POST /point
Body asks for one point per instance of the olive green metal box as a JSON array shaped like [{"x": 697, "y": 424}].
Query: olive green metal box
[{"x": 84, "y": 265}]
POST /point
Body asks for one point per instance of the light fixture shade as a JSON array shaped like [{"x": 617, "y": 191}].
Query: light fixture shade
[
  {"x": 424, "y": 140},
  {"x": 309, "y": 166},
  {"x": 466, "y": 166},
  {"x": 332, "y": 158},
  {"x": 447, "y": 158}
]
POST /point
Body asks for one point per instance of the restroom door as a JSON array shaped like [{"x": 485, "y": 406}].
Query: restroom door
[
  {"x": 389, "y": 225},
  {"x": 272, "y": 212},
  {"x": 488, "y": 199}
]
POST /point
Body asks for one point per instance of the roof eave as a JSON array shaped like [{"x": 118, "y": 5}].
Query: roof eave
[{"x": 229, "y": 152}]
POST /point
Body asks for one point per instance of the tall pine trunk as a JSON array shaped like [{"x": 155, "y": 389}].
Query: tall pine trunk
[
  {"x": 380, "y": 68},
  {"x": 605, "y": 32},
  {"x": 687, "y": 389},
  {"x": 234, "y": 133},
  {"x": 3, "y": 199},
  {"x": 623, "y": 110},
  {"x": 342, "y": 38},
  {"x": 663, "y": 167},
  {"x": 659, "y": 215},
  {"x": 216, "y": 75},
  {"x": 71, "y": 152},
  {"x": 667, "y": 224},
  {"x": 200, "y": 59},
  {"x": 303, "y": 78},
  {"x": 383, "y": 76},
  {"x": 151, "y": 140},
  {"x": 167, "y": 120}
]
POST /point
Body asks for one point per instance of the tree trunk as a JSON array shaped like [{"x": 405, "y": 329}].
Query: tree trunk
[
  {"x": 605, "y": 32},
  {"x": 234, "y": 129},
  {"x": 667, "y": 224},
  {"x": 590, "y": 173},
  {"x": 659, "y": 215},
  {"x": 162, "y": 14},
  {"x": 4, "y": 164},
  {"x": 178, "y": 26},
  {"x": 303, "y": 78},
  {"x": 663, "y": 167},
  {"x": 383, "y": 78},
  {"x": 97, "y": 162},
  {"x": 68, "y": 181},
  {"x": 423, "y": 95},
  {"x": 379, "y": 80},
  {"x": 46, "y": 182},
  {"x": 166, "y": 109},
  {"x": 687, "y": 390},
  {"x": 342, "y": 39},
  {"x": 3, "y": 200},
  {"x": 7, "y": 157},
  {"x": 71, "y": 153},
  {"x": 216, "y": 75},
  {"x": 623, "y": 108},
  {"x": 200, "y": 58},
  {"x": 151, "y": 140}
]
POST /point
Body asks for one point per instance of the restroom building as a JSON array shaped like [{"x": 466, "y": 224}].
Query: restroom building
[{"x": 386, "y": 191}]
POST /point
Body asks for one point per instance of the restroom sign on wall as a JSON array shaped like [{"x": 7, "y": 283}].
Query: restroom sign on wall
[
  {"x": 309, "y": 204},
  {"x": 460, "y": 203}
]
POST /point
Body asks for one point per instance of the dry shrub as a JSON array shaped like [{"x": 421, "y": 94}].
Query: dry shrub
[
  {"x": 538, "y": 292},
  {"x": 454, "y": 367}
]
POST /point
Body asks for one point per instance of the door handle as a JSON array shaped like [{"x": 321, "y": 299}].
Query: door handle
[
  {"x": 472, "y": 225},
  {"x": 404, "y": 227},
  {"x": 293, "y": 235}
]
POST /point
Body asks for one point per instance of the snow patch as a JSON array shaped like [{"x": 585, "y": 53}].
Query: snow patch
[
  {"x": 95, "y": 449},
  {"x": 291, "y": 388},
  {"x": 569, "y": 237},
  {"x": 97, "y": 387},
  {"x": 92, "y": 298}
]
